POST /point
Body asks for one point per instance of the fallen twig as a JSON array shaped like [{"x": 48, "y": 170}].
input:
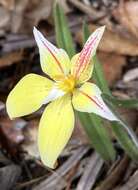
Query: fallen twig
[
  {"x": 59, "y": 173},
  {"x": 131, "y": 184},
  {"x": 90, "y": 173},
  {"x": 115, "y": 176},
  {"x": 91, "y": 12}
]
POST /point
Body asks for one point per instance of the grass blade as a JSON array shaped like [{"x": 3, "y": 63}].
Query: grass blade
[
  {"x": 98, "y": 76},
  {"x": 63, "y": 34},
  {"x": 128, "y": 103},
  {"x": 125, "y": 142},
  {"x": 122, "y": 123}
]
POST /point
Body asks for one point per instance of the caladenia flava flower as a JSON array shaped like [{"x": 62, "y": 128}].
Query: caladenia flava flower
[{"x": 66, "y": 90}]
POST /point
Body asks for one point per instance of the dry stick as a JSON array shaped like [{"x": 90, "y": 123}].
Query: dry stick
[
  {"x": 131, "y": 168},
  {"x": 59, "y": 173},
  {"x": 10, "y": 46},
  {"x": 90, "y": 173},
  {"x": 91, "y": 12},
  {"x": 115, "y": 176},
  {"x": 13, "y": 43},
  {"x": 9, "y": 176},
  {"x": 70, "y": 176},
  {"x": 132, "y": 184}
]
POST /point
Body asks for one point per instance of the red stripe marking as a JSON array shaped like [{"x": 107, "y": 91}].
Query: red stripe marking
[
  {"x": 88, "y": 51},
  {"x": 83, "y": 55},
  {"x": 53, "y": 56},
  {"x": 98, "y": 100},
  {"x": 92, "y": 100}
]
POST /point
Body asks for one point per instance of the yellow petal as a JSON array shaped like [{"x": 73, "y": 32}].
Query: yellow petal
[
  {"x": 28, "y": 95},
  {"x": 56, "y": 126},
  {"x": 87, "y": 53},
  {"x": 86, "y": 74},
  {"x": 54, "y": 61},
  {"x": 88, "y": 99}
]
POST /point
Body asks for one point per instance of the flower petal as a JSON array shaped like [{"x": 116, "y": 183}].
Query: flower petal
[
  {"x": 56, "y": 126},
  {"x": 54, "y": 61},
  {"x": 88, "y": 99},
  {"x": 87, "y": 53},
  {"x": 87, "y": 73},
  {"x": 28, "y": 95}
]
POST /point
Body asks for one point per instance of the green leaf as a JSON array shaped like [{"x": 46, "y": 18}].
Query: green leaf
[
  {"x": 124, "y": 134},
  {"x": 63, "y": 34},
  {"x": 128, "y": 103},
  {"x": 125, "y": 141},
  {"x": 86, "y": 32},
  {"x": 98, "y": 76},
  {"x": 98, "y": 135}
]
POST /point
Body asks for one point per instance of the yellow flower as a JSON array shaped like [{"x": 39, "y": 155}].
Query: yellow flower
[{"x": 66, "y": 89}]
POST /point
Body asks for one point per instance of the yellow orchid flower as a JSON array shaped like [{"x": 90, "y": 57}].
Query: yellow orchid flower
[{"x": 67, "y": 89}]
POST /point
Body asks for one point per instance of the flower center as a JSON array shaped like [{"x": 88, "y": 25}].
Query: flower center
[{"x": 67, "y": 83}]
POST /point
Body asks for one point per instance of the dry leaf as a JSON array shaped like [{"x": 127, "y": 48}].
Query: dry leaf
[
  {"x": 132, "y": 10},
  {"x": 17, "y": 15},
  {"x": 42, "y": 11},
  {"x": 21, "y": 16},
  {"x": 114, "y": 43},
  {"x": 127, "y": 15},
  {"x": 10, "y": 58},
  {"x": 13, "y": 130},
  {"x": 28, "y": 13},
  {"x": 30, "y": 143},
  {"x": 112, "y": 65},
  {"x": 4, "y": 18},
  {"x": 8, "y": 4}
]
